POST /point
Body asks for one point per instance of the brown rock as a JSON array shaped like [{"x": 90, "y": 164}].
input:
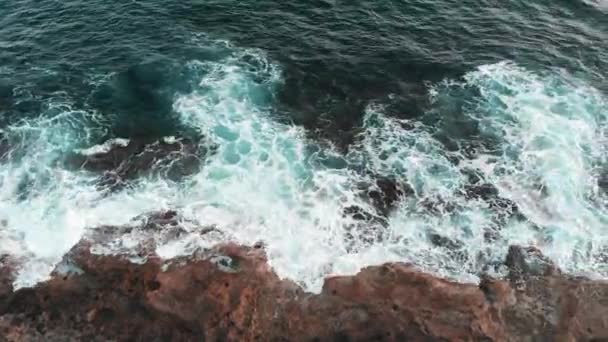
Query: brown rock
[{"x": 230, "y": 293}]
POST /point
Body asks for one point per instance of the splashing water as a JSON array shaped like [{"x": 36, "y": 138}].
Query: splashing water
[
  {"x": 553, "y": 155},
  {"x": 266, "y": 181}
]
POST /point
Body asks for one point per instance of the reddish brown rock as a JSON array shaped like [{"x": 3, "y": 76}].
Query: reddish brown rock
[{"x": 230, "y": 294}]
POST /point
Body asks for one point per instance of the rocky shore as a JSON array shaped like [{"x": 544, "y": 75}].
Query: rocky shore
[{"x": 229, "y": 293}]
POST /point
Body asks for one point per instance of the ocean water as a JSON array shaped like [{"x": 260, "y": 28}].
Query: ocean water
[{"x": 340, "y": 134}]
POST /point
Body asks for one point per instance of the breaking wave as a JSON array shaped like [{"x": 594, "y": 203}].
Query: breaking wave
[{"x": 536, "y": 177}]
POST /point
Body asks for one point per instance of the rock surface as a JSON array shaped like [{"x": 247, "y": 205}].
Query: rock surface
[
  {"x": 126, "y": 160},
  {"x": 229, "y": 293}
]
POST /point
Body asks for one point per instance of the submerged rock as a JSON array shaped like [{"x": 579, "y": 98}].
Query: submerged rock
[
  {"x": 444, "y": 241},
  {"x": 383, "y": 196},
  {"x": 387, "y": 193},
  {"x": 528, "y": 262},
  {"x": 7, "y": 268},
  {"x": 200, "y": 298},
  {"x": 144, "y": 234},
  {"x": 122, "y": 160},
  {"x": 370, "y": 222}
]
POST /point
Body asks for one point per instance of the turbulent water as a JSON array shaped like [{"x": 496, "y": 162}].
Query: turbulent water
[{"x": 338, "y": 133}]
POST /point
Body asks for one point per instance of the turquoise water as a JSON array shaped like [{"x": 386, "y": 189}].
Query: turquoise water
[{"x": 490, "y": 119}]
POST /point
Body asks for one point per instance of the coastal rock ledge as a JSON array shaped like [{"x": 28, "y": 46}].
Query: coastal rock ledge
[{"x": 230, "y": 293}]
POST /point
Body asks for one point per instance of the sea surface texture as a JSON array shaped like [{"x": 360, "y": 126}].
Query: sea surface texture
[{"x": 337, "y": 133}]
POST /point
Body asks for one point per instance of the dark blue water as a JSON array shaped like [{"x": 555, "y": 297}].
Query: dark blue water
[
  {"x": 336, "y": 55},
  {"x": 489, "y": 117}
]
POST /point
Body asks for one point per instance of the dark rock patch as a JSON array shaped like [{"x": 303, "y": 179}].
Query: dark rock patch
[
  {"x": 386, "y": 194},
  {"x": 528, "y": 262},
  {"x": 444, "y": 241},
  {"x": 175, "y": 159}
]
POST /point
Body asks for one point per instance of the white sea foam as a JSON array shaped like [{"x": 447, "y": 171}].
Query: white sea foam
[
  {"x": 554, "y": 150},
  {"x": 552, "y": 135},
  {"x": 267, "y": 182},
  {"x": 105, "y": 147},
  {"x": 299, "y": 212}
]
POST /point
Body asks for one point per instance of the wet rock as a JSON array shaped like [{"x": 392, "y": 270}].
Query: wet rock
[
  {"x": 195, "y": 299},
  {"x": 154, "y": 222},
  {"x": 444, "y": 241},
  {"x": 371, "y": 221},
  {"x": 386, "y": 194},
  {"x": 437, "y": 205},
  {"x": 358, "y": 213},
  {"x": 507, "y": 208},
  {"x": 528, "y": 262},
  {"x": 601, "y": 256},
  {"x": 454, "y": 247},
  {"x": 366, "y": 229},
  {"x": 383, "y": 195},
  {"x": 482, "y": 191},
  {"x": 491, "y": 234},
  {"x": 490, "y": 194},
  {"x": 602, "y": 180},
  {"x": 139, "y": 238},
  {"x": 159, "y": 220},
  {"x": 7, "y": 268},
  {"x": 127, "y": 160}
]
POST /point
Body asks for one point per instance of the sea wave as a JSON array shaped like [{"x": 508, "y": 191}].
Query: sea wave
[{"x": 314, "y": 207}]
